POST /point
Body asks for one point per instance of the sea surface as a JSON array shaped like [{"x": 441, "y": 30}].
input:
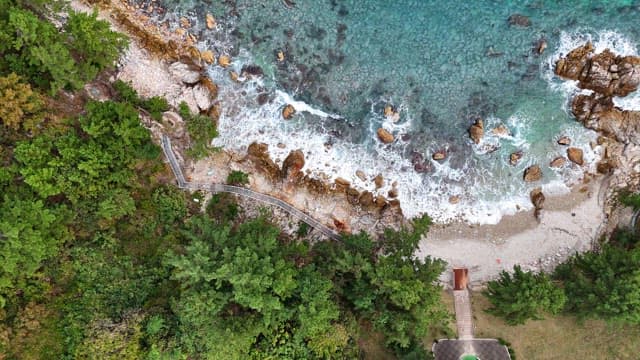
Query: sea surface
[{"x": 441, "y": 64}]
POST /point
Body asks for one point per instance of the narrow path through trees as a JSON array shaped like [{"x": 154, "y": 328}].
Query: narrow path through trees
[{"x": 216, "y": 188}]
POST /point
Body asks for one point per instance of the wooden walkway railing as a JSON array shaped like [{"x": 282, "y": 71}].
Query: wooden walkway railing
[{"x": 248, "y": 193}]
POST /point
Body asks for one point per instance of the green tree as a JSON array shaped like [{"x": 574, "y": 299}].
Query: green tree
[
  {"x": 523, "y": 295},
  {"x": 30, "y": 233},
  {"x": 92, "y": 43},
  {"x": 603, "y": 284}
]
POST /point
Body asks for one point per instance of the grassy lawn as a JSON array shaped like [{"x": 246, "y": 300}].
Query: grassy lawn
[{"x": 559, "y": 337}]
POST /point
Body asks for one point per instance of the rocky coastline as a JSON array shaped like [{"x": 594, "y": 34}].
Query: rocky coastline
[{"x": 166, "y": 63}]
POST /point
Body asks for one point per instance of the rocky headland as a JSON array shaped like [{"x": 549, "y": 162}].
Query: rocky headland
[{"x": 607, "y": 75}]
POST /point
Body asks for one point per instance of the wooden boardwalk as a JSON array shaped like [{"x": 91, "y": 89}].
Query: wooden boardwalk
[
  {"x": 248, "y": 193},
  {"x": 464, "y": 319}
]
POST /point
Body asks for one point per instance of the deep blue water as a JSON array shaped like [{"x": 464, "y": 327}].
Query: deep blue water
[{"x": 442, "y": 64}]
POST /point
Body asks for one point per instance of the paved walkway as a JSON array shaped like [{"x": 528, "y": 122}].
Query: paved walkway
[
  {"x": 183, "y": 184},
  {"x": 464, "y": 319}
]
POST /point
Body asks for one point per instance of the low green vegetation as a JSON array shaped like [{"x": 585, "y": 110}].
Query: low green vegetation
[
  {"x": 201, "y": 129},
  {"x": 238, "y": 178}
]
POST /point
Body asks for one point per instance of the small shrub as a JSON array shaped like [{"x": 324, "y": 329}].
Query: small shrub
[
  {"x": 303, "y": 229},
  {"x": 126, "y": 93},
  {"x": 223, "y": 208},
  {"x": 156, "y": 106},
  {"x": 237, "y": 178}
]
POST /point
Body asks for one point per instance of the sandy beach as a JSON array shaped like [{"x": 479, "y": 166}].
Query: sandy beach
[{"x": 568, "y": 224}]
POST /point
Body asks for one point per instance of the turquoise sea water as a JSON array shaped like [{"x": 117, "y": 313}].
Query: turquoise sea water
[{"x": 441, "y": 64}]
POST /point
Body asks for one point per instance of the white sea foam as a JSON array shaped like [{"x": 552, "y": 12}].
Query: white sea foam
[{"x": 483, "y": 198}]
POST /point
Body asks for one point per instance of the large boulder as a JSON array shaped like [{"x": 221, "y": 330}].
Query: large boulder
[
  {"x": 293, "y": 164},
  {"x": 604, "y": 73},
  {"x": 186, "y": 73},
  {"x": 575, "y": 155},
  {"x": 558, "y": 162},
  {"x": 532, "y": 173},
  {"x": 476, "y": 131},
  {"x": 385, "y": 136},
  {"x": 288, "y": 111},
  {"x": 203, "y": 97}
]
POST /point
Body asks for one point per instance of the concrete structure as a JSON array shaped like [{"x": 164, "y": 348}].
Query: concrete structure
[{"x": 466, "y": 346}]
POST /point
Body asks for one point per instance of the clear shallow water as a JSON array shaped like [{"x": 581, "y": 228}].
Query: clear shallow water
[{"x": 442, "y": 64}]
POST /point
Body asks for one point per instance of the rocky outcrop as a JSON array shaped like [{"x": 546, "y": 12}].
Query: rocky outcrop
[
  {"x": 605, "y": 73},
  {"x": 532, "y": 173},
  {"x": 385, "y": 136},
  {"x": 258, "y": 154},
  {"x": 575, "y": 155},
  {"x": 597, "y": 112},
  {"x": 292, "y": 165},
  {"x": 537, "y": 199},
  {"x": 476, "y": 131}
]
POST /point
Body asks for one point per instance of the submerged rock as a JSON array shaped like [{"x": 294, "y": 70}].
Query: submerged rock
[
  {"x": 476, "y": 131},
  {"x": 454, "y": 199},
  {"x": 532, "y": 173},
  {"x": 439, "y": 155},
  {"x": 519, "y": 20},
  {"x": 515, "y": 157},
  {"x": 224, "y": 60},
  {"x": 501, "y": 130},
  {"x": 575, "y": 155},
  {"x": 541, "y": 45},
  {"x": 558, "y": 162},
  {"x": 211, "y": 21},
  {"x": 208, "y": 56},
  {"x": 385, "y": 136}
]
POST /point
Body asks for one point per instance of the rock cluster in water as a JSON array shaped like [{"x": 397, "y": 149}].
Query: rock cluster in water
[{"x": 607, "y": 75}]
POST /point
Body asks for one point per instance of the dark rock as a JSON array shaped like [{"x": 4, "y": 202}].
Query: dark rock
[
  {"x": 366, "y": 199},
  {"x": 558, "y": 162},
  {"x": 564, "y": 140},
  {"x": 515, "y": 157},
  {"x": 253, "y": 70}
]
